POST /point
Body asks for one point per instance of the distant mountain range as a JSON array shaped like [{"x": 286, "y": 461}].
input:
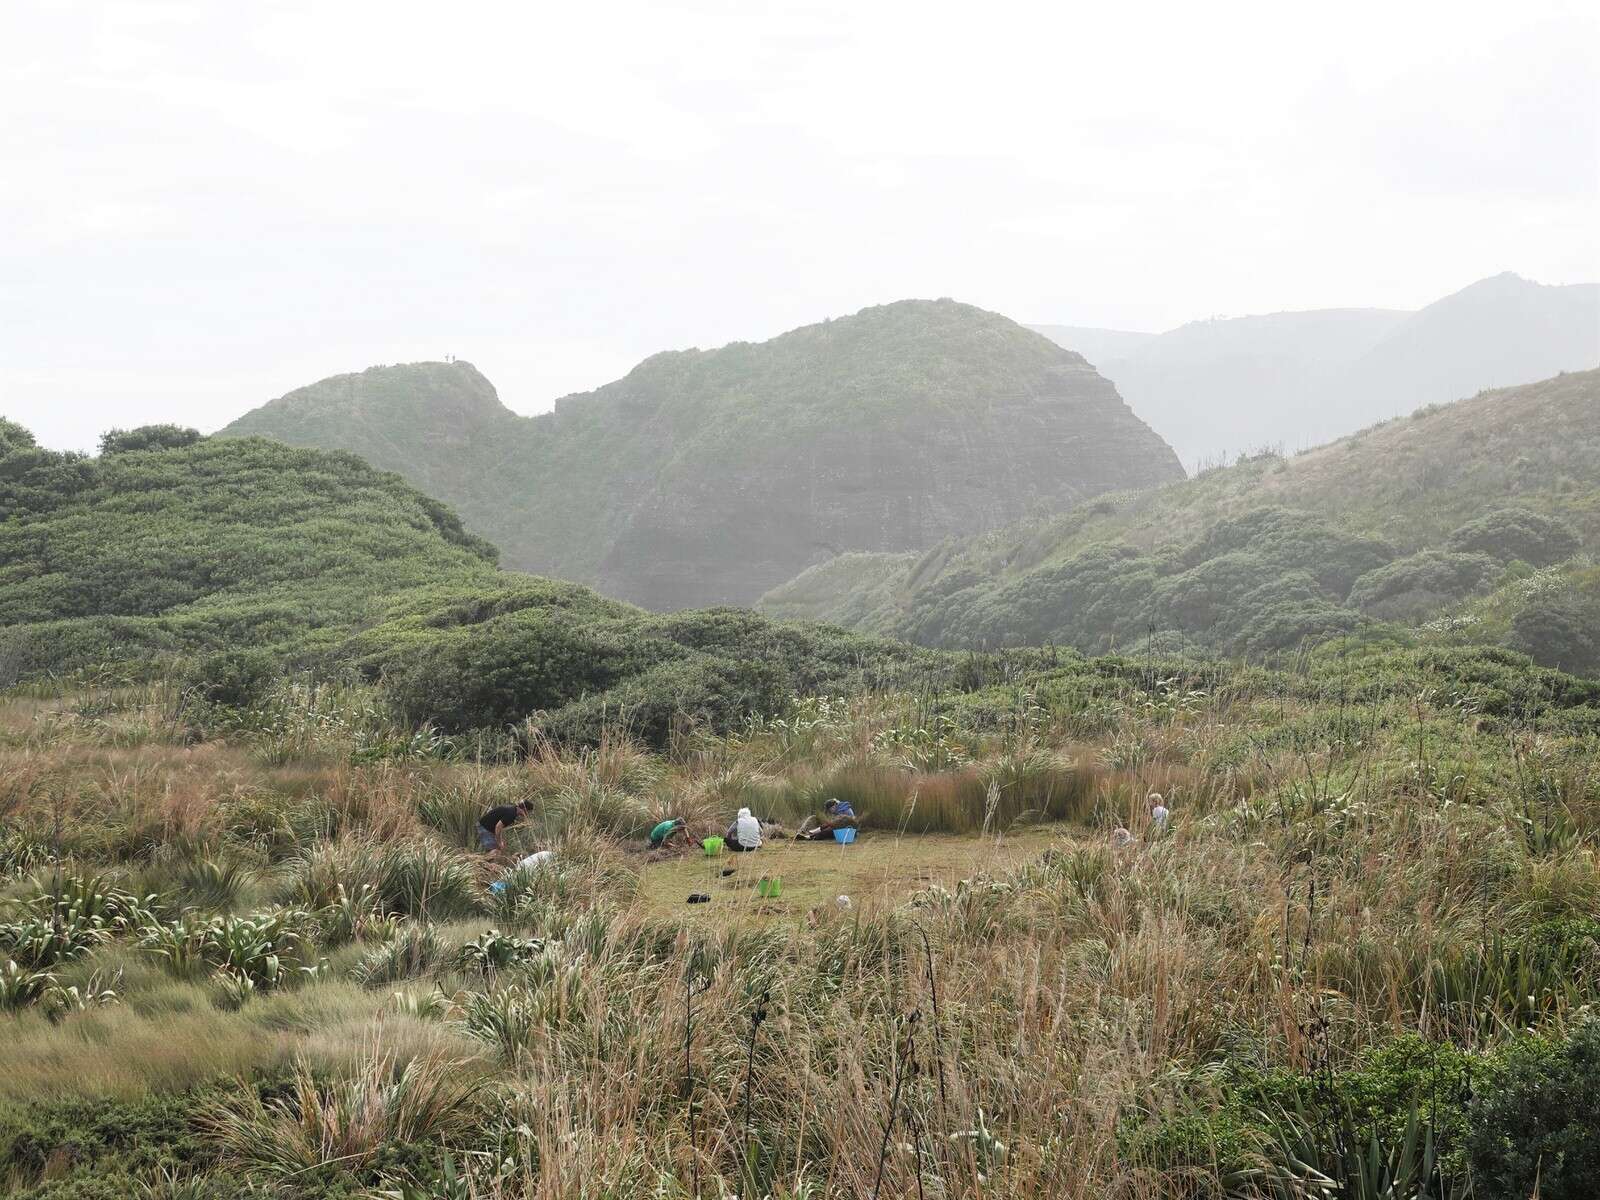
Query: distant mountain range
[
  {"x": 708, "y": 477},
  {"x": 1219, "y": 388}
]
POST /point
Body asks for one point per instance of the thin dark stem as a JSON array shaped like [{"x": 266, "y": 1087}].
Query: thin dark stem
[
  {"x": 911, "y": 1121},
  {"x": 938, "y": 1049},
  {"x": 894, "y": 1109},
  {"x": 691, "y": 979},
  {"x": 758, "y": 1015}
]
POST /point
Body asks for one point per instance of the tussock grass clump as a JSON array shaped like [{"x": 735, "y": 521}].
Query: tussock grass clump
[
  {"x": 1033, "y": 785},
  {"x": 418, "y": 878},
  {"x": 340, "y": 1125},
  {"x": 411, "y": 952}
]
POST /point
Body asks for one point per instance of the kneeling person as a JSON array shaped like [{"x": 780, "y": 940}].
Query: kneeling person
[{"x": 667, "y": 830}]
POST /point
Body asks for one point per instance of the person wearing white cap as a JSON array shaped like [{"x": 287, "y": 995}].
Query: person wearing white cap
[
  {"x": 744, "y": 833},
  {"x": 1158, "y": 813}
]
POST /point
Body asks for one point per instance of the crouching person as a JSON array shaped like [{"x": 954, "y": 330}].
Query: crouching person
[
  {"x": 493, "y": 824},
  {"x": 672, "y": 827},
  {"x": 744, "y": 834}
]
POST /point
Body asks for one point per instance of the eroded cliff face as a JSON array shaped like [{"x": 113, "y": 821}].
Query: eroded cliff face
[{"x": 709, "y": 477}]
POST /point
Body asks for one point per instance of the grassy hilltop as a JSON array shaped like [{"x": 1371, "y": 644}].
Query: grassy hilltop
[{"x": 1447, "y": 514}]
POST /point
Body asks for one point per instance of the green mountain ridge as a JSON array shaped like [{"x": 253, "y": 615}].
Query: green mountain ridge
[
  {"x": 708, "y": 477},
  {"x": 1400, "y": 524}
]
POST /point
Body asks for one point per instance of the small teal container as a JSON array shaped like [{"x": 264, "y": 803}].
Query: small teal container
[{"x": 844, "y": 836}]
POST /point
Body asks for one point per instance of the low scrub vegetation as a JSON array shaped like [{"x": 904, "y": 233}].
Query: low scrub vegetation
[
  {"x": 1360, "y": 957},
  {"x": 1426, "y": 530}
]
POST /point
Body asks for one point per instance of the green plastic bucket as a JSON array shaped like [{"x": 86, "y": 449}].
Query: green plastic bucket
[
  {"x": 769, "y": 887},
  {"x": 713, "y": 846}
]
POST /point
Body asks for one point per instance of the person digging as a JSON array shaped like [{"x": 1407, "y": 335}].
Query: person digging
[
  {"x": 836, "y": 814},
  {"x": 667, "y": 830},
  {"x": 493, "y": 824}
]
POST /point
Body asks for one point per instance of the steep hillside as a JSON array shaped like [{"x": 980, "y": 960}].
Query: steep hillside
[
  {"x": 1219, "y": 388},
  {"x": 1399, "y": 523},
  {"x": 194, "y": 543},
  {"x": 708, "y": 477},
  {"x": 425, "y": 421}
]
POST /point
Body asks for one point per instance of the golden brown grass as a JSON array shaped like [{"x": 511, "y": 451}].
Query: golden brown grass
[{"x": 1078, "y": 984}]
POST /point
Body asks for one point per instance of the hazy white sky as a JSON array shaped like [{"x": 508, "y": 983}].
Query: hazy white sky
[{"x": 204, "y": 205}]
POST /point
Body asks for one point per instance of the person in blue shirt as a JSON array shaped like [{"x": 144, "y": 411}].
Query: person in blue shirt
[{"x": 836, "y": 814}]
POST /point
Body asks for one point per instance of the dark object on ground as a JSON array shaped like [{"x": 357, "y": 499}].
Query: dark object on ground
[
  {"x": 699, "y": 898},
  {"x": 727, "y": 871}
]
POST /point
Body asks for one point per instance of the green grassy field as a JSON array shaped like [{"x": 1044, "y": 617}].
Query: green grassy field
[{"x": 879, "y": 871}]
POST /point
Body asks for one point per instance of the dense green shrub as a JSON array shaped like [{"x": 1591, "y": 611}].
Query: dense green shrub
[
  {"x": 101, "y": 1142},
  {"x": 14, "y": 437},
  {"x": 1532, "y": 1120},
  {"x": 232, "y": 678},
  {"x": 578, "y": 663},
  {"x": 1289, "y": 538},
  {"x": 1415, "y": 587},
  {"x": 147, "y": 437},
  {"x": 1559, "y": 631},
  {"x": 1516, "y": 534}
]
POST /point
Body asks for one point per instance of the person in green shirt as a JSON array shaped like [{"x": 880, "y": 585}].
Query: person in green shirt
[{"x": 668, "y": 829}]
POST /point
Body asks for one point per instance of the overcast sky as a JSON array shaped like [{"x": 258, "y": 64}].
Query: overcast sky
[{"x": 204, "y": 205}]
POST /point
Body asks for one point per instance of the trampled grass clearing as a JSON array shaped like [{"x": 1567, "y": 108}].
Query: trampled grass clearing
[{"x": 880, "y": 870}]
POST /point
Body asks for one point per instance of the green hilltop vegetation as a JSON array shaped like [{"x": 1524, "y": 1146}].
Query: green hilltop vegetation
[
  {"x": 1473, "y": 522},
  {"x": 251, "y": 559},
  {"x": 708, "y": 477},
  {"x": 169, "y": 541}
]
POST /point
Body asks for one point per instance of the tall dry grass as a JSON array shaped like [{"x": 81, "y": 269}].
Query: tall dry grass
[{"x": 1307, "y": 872}]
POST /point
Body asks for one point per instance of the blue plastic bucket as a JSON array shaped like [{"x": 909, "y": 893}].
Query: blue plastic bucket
[{"x": 844, "y": 836}]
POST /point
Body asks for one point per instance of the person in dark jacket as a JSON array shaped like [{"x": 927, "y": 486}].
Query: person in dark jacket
[{"x": 493, "y": 824}]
